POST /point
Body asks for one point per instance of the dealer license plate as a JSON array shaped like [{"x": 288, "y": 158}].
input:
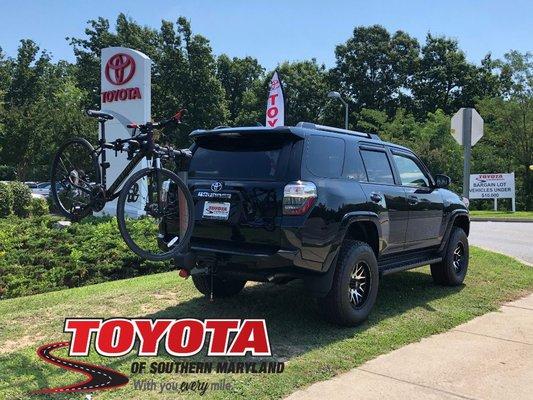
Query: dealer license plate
[{"x": 214, "y": 210}]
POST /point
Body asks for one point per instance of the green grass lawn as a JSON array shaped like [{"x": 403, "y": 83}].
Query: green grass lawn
[
  {"x": 501, "y": 214},
  {"x": 409, "y": 307}
]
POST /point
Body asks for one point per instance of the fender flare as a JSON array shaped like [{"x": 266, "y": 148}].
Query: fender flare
[
  {"x": 451, "y": 220},
  {"x": 359, "y": 216},
  {"x": 319, "y": 285}
]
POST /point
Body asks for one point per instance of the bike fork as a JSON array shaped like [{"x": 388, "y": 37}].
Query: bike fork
[{"x": 159, "y": 183}]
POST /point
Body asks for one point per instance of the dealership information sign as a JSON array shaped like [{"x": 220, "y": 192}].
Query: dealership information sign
[
  {"x": 125, "y": 77},
  {"x": 492, "y": 186}
]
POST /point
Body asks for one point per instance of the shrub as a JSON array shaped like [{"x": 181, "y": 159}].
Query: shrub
[
  {"x": 35, "y": 257},
  {"x": 51, "y": 204},
  {"x": 21, "y": 199},
  {"x": 6, "y": 200},
  {"x": 39, "y": 206}
]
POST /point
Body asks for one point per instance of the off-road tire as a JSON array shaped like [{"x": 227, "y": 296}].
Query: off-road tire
[
  {"x": 222, "y": 287},
  {"x": 336, "y": 306},
  {"x": 445, "y": 272}
]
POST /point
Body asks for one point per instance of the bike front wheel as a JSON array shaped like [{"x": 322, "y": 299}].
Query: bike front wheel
[{"x": 149, "y": 198}]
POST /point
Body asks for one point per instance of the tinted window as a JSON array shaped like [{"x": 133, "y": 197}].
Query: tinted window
[
  {"x": 353, "y": 166},
  {"x": 377, "y": 167},
  {"x": 410, "y": 172},
  {"x": 325, "y": 156},
  {"x": 237, "y": 159}
]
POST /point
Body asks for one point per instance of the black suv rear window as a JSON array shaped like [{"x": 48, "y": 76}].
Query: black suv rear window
[
  {"x": 237, "y": 158},
  {"x": 325, "y": 156}
]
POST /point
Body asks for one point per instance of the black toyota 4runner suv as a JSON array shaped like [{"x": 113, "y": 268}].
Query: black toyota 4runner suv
[{"x": 334, "y": 207}]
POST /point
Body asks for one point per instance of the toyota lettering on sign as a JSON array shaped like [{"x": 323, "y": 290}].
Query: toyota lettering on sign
[
  {"x": 125, "y": 79},
  {"x": 275, "y": 110},
  {"x": 492, "y": 186}
]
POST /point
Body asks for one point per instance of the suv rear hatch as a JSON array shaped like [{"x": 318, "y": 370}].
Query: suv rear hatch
[{"x": 237, "y": 178}]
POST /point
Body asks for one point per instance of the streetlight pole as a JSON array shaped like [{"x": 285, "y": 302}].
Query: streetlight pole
[{"x": 337, "y": 95}]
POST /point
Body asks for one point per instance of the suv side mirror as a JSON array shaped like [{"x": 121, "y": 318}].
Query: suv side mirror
[{"x": 442, "y": 181}]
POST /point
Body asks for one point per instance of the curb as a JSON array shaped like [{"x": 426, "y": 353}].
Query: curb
[{"x": 491, "y": 219}]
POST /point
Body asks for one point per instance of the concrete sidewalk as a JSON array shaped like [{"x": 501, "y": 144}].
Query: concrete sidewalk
[{"x": 490, "y": 357}]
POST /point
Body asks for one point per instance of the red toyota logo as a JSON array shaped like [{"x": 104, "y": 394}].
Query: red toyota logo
[{"x": 119, "y": 69}]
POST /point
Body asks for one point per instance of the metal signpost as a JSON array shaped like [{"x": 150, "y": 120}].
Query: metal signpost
[{"x": 467, "y": 129}]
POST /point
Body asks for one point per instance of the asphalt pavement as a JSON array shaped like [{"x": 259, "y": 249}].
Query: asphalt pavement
[{"x": 514, "y": 239}]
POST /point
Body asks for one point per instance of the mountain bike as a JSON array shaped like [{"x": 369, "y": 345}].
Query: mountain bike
[{"x": 79, "y": 187}]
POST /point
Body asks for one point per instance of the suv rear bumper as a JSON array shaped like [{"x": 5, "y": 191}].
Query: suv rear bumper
[
  {"x": 279, "y": 267},
  {"x": 201, "y": 256},
  {"x": 247, "y": 264}
]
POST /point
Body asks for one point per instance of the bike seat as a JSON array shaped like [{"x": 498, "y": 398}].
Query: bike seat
[{"x": 99, "y": 114}]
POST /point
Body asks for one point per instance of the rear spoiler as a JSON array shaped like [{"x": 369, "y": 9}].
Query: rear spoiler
[{"x": 245, "y": 131}]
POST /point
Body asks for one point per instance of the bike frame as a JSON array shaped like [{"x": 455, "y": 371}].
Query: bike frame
[{"x": 148, "y": 152}]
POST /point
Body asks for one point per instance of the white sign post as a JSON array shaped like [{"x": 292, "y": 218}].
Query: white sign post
[
  {"x": 126, "y": 93},
  {"x": 467, "y": 129},
  {"x": 493, "y": 186}
]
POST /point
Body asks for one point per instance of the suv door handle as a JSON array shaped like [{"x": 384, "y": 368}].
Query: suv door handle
[
  {"x": 375, "y": 197},
  {"x": 412, "y": 199}
]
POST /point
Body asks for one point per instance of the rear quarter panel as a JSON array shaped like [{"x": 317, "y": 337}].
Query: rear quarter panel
[{"x": 319, "y": 234}]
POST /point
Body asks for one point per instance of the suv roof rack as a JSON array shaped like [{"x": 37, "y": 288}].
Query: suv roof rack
[{"x": 311, "y": 125}]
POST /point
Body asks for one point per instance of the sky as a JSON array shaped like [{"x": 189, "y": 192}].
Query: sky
[{"x": 275, "y": 31}]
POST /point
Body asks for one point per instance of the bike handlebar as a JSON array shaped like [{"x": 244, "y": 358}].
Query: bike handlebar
[
  {"x": 117, "y": 145},
  {"x": 181, "y": 153},
  {"x": 154, "y": 125}
]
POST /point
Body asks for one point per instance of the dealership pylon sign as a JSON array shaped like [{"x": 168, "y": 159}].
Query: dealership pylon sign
[
  {"x": 275, "y": 110},
  {"x": 126, "y": 93}
]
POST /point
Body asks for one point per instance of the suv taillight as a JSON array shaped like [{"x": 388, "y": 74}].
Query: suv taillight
[{"x": 298, "y": 197}]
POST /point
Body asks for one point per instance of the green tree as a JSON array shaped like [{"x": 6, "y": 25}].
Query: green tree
[
  {"x": 5, "y": 78},
  {"x": 206, "y": 98},
  {"x": 237, "y": 75},
  {"x": 373, "y": 68},
  {"x": 305, "y": 86},
  {"x": 42, "y": 106},
  {"x": 5, "y": 74},
  {"x": 509, "y": 122},
  {"x": 185, "y": 76},
  {"x": 18, "y": 143},
  {"x": 446, "y": 80}
]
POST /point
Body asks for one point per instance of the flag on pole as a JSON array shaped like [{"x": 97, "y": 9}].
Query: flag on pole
[{"x": 275, "y": 110}]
